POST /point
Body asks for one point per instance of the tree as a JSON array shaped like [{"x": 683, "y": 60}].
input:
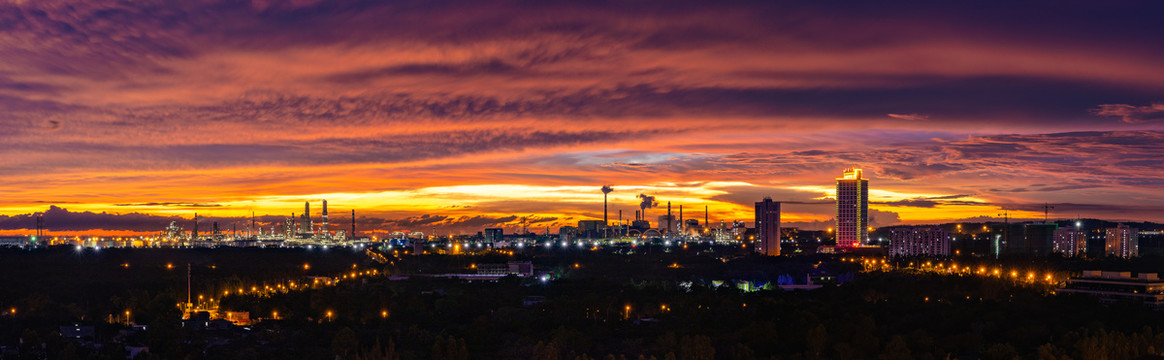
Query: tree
[
  {"x": 742, "y": 352},
  {"x": 815, "y": 340},
  {"x": 896, "y": 349},
  {"x": 69, "y": 352},
  {"x": 1001, "y": 352},
  {"x": 697, "y": 347},
  {"x": 449, "y": 349},
  {"x": 376, "y": 352},
  {"x": 1050, "y": 352},
  {"x": 344, "y": 343}
]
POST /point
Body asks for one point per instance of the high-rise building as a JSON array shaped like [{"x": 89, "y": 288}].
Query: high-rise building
[
  {"x": 1070, "y": 241},
  {"x": 305, "y": 220},
  {"x": 670, "y": 220},
  {"x": 494, "y": 235},
  {"x": 768, "y": 227},
  {"x": 323, "y": 228},
  {"x": 1037, "y": 239},
  {"x": 1122, "y": 241},
  {"x": 852, "y": 208},
  {"x": 919, "y": 241}
]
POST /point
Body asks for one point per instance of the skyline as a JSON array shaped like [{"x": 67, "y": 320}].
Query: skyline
[{"x": 476, "y": 115}]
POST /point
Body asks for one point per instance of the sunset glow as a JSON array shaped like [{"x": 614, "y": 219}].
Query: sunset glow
[{"x": 417, "y": 115}]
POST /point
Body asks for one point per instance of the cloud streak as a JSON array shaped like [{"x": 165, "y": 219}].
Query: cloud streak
[{"x": 160, "y": 107}]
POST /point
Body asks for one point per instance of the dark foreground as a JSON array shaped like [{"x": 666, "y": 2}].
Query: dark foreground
[{"x": 681, "y": 304}]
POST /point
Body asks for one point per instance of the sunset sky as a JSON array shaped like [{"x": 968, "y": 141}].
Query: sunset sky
[{"x": 120, "y": 116}]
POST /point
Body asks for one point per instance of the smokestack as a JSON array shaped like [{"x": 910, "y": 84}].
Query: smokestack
[
  {"x": 647, "y": 202},
  {"x": 39, "y": 227},
  {"x": 705, "y": 224},
  {"x": 669, "y": 224},
  {"x": 195, "y": 226},
  {"x": 353, "y": 223},
  {"x": 680, "y": 227},
  {"x": 620, "y": 220},
  {"x": 606, "y": 189}
]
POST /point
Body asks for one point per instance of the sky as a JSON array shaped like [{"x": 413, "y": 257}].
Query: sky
[{"x": 117, "y": 117}]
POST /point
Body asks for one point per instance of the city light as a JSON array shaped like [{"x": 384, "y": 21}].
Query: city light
[{"x": 208, "y": 133}]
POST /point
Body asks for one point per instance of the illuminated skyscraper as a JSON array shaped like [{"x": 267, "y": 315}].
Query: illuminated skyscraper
[
  {"x": 768, "y": 227},
  {"x": 852, "y": 208}
]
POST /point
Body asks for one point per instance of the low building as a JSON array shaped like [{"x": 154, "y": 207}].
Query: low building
[
  {"x": 640, "y": 225},
  {"x": 1112, "y": 286},
  {"x": 519, "y": 268},
  {"x": 567, "y": 233},
  {"x": 590, "y": 228},
  {"x": 665, "y": 221},
  {"x": 919, "y": 241},
  {"x": 241, "y": 318},
  {"x": 78, "y": 332},
  {"x": 14, "y": 241}
]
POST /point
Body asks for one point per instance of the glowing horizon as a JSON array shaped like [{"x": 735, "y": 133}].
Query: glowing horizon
[{"x": 477, "y": 115}]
